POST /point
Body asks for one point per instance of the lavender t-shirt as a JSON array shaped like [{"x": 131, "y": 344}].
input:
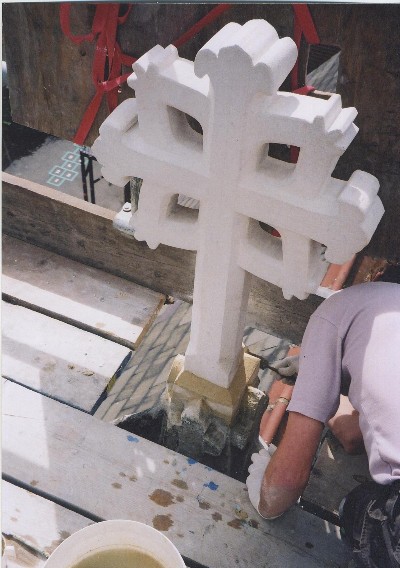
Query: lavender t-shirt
[{"x": 354, "y": 338}]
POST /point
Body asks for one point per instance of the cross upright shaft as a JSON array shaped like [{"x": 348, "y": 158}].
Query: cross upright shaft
[{"x": 222, "y": 286}]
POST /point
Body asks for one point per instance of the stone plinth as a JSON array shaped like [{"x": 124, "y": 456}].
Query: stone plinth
[
  {"x": 194, "y": 429},
  {"x": 185, "y": 388}
]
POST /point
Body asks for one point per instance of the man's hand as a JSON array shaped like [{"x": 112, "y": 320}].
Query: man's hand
[
  {"x": 257, "y": 468},
  {"x": 346, "y": 427},
  {"x": 288, "y": 366}
]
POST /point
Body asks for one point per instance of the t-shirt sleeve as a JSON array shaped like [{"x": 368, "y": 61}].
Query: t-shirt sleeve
[{"x": 317, "y": 390}]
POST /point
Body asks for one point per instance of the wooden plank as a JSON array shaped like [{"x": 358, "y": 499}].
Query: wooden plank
[
  {"x": 37, "y": 524},
  {"x": 206, "y": 514},
  {"x": 371, "y": 56},
  {"x": 74, "y": 228},
  {"x": 57, "y": 359},
  {"x": 78, "y": 294},
  {"x": 21, "y": 556},
  {"x": 57, "y": 91},
  {"x": 334, "y": 475}
]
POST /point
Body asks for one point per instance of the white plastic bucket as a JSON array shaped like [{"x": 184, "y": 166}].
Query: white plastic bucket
[{"x": 115, "y": 534}]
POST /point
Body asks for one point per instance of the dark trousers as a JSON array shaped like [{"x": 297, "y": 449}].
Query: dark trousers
[{"x": 370, "y": 524}]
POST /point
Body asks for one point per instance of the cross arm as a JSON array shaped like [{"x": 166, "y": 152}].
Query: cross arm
[
  {"x": 123, "y": 153},
  {"x": 343, "y": 219}
]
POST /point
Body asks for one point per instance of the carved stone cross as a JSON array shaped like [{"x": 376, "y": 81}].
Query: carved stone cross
[{"x": 231, "y": 90}]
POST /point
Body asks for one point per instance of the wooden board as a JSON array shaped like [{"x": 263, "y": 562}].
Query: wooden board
[
  {"x": 371, "y": 57},
  {"x": 37, "y": 524},
  {"x": 75, "y": 229},
  {"x": 57, "y": 359},
  {"x": 110, "y": 473},
  {"x": 57, "y": 61},
  {"x": 334, "y": 475},
  {"x": 20, "y": 556},
  {"x": 76, "y": 293}
]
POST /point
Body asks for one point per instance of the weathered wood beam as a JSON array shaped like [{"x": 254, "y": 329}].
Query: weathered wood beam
[
  {"x": 37, "y": 524},
  {"x": 84, "y": 232},
  {"x": 77, "y": 294},
  {"x": 57, "y": 359},
  {"x": 207, "y": 515},
  {"x": 369, "y": 79}
]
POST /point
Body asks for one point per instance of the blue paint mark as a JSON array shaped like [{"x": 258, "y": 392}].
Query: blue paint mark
[
  {"x": 132, "y": 439},
  {"x": 208, "y": 468},
  {"x": 211, "y": 485},
  {"x": 191, "y": 461}
]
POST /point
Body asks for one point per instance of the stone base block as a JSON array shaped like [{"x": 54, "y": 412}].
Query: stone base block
[
  {"x": 203, "y": 422},
  {"x": 198, "y": 433},
  {"x": 184, "y": 387}
]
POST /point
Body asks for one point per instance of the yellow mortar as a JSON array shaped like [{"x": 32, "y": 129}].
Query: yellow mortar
[{"x": 224, "y": 402}]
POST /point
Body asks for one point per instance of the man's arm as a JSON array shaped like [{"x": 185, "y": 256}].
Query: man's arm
[{"x": 289, "y": 469}]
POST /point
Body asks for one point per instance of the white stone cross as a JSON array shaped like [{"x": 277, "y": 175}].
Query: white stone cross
[{"x": 231, "y": 90}]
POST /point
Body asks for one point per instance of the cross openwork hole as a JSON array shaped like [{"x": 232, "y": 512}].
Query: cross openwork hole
[
  {"x": 269, "y": 238},
  {"x": 178, "y": 209},
  {"x": 185, "y": 128},
  {"x": 275, "y": 158},
  {"x": 281, "y": 152},
  {"x": 270, "y": 230}
]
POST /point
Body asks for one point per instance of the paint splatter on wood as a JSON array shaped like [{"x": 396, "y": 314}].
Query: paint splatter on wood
[
  {"x": 204, "y": 505},
  {"x": 180, "y": 483},
  {"x": 242, "y": 515},
  {"x": 162, "y": 498},
  {"x": 211, "y": 485},
  {"x": 162, "y": 522},
  {"x": 132, "y": 439},
  {"x": 116, "y": 485},
  {"x": 235, "y": 524},
  {"x": 217, "y": 517}
]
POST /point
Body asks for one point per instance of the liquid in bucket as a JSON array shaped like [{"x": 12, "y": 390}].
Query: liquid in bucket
[{"x": 119, "y": 558}]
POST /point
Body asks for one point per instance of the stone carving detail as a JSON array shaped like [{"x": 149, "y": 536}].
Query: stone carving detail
[{"x": 204, "y": 130}]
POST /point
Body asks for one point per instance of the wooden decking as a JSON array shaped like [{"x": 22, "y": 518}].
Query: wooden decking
[
  {"x": 57, "y": 359},
  {"x": 74, "y": 462},
  {"x": 63, "y": 468},
  {"x": 75, "y": 293}
]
